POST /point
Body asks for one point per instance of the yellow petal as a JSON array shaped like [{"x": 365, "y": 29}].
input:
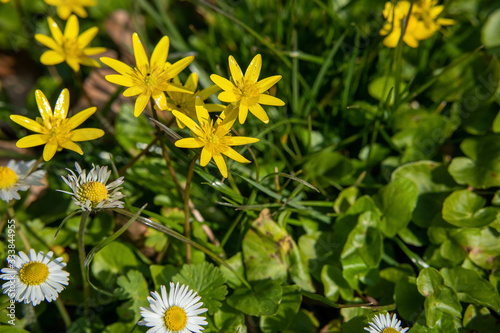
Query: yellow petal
[
  {"x": 445, "y": 21},
  {"x": 86, "y": 61},
  {"x": 160, "y": 100},
  {"x": 86, "y": 134},
  {"x": 72, "y": 146},
  {"x": 80, "y": 117},
  {"x": 237, "y": 140},
  {"x": 233, "y": 154},
  {"x": 140, "y": 103},
  {"x": 160, "y": 53},
  {"x": 229, "y": 116},
  {"x": 259, "y": 112},
  {"x": 47, "y": 41},
  {"x": 270, "y": 100},
  {"x": 62, "y": 105},
  {"x": 51, "y": 58},
  {"x": 176, "y": 88},
  {"x": 243, "y": 113},
  {"x": 86, "y": 37},
  {"x": 264, "y": 84},
  {"x": 132, "y": 91},
  {"x": 74, "y": 63},
  {"x": 89, "y": 51},
  {"x": 72, "y": 28},
  {"x": 189, "y": 143},
  {"x": 32, "y": 140},
  {"x": 235, "y": 70},
  {"x": 201, "y": 113},
  {"x": 27, "y": 123},
  {"x": 228, "y": 97},
  {"x": 410, "y": 40},
  {"x": 221, "y": 164},
  {"x": 393, "y": 38},
  {"x": 207, "y": 92},
  {"x": 63, "y": 12},
  {"x": 141, "y": 60},
  {"x": 120, "y": 80},
  {"x": 178, "y": 66},
  {"x": 253, "y": 71},
  {"x": 49, "y": 150},
  {"x": 117, "y": 65},
  {"x": 55, "y": 31},
  {"x": 43, "y": 105},
  {"x": 192, "y": 82},
  {"x": 80, "y": 11},
  {"x": 225, "y": 84},
  {"x": 214, "y": 107},
  {"x": 206, "y": 156},
  {"x": 188, "y": 122}
]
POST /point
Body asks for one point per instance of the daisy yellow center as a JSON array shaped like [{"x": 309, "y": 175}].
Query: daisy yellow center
[
  {"x": 175, "y": 318},
  {"x": 390, "y": 330},
  {"x": 34, "y": 273},
  {"x": 7, "y": 177},
  {"x": 93, "y": 191}
]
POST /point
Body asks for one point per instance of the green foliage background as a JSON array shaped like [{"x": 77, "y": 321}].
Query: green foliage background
[{"x": 378, "y": 182}]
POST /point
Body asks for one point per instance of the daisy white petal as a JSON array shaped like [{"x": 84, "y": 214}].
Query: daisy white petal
[
  {"x": 385, "y": 324},
  {"x": 16, "y": 177}
]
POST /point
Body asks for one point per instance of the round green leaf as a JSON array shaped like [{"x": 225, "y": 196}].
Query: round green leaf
[
  {"x": 465, "y": 209},
  {"x": 489, "y": 33},
  {"x": 262, "y": 300}
]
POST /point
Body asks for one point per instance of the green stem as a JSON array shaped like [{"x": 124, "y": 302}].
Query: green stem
[
  {"x": 180, "y": 237},
  {"x": 415, "y": 258},
  {"x": 81, "y": 254},
  {"x": 136, "y": 158},
  {"x": 64, "y": 313},
  {"x": 187, "y": 226}
]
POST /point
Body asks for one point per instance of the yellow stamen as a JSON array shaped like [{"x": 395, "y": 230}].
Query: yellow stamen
[
  {"x": 34, "y": 273},
  {"x": 175, "y": 318},
  {"x": 7, "y": 177},
  {"x": 390, "y": 330},
  {"x": 93, "y": 191}
]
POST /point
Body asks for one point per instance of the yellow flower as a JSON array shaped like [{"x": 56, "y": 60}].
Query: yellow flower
[
  {"x": 54, "y": 130},
  {"x": 245, "y": 91},
  {"x": 214, "y": 139},
  {"x": 4, "y": 1},
  {"x": 185, "y": 103},
  {"x": 422, "y": 23},
  {"x": 148, "y": 79},
  {"x": 69, "y": 47},
  {"x": 66, "y": 7}
]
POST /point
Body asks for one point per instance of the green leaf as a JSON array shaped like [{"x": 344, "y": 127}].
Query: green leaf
[
  {"x": 481, "y": 167},
  {"x": 489, "y": 31},
  {"x": 132, "y": 133},
  {"x": 134, "y": 288},
  {"x": 479, "y": 319},
  {"x": 428, "y": 281},
  {"x": 207, "y": 280},
  {"x": 408, "y": 299},
  {"x": 434, "y": 183},
  {"x": 162, "y": 274},
  {"x": 288, "y": 308},
  {"x": 465, "y": 209},
  {"x": 380, "y": 87},
  {"x": 86, "y": 325},
  {"x": 346, "y": 198},
  {"x": 262, "y": 300},
  {"x": 112, "y": 260},
  {"x": 334, "y": 284},
  {"x": 471, "y": 287},
  {"x": 227, "y": 319},
  {"x": 396, "y": 201}
]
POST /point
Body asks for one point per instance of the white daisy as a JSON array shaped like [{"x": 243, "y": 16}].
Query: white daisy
[
  {"x": 175, "y": 312},
  {"x": 90, "y": 191},
  {"x": 384, "y": 324},
  {"x": 16, "y": 177},
  {"x": 35, "y": 278}
]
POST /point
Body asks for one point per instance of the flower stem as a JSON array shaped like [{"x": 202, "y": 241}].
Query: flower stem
[
  {"x": 187, "y": 226},
  {"x": 81, "y": 254},
  {"x": 136, "y": 158},
  {"x": 64, "y": 313}
]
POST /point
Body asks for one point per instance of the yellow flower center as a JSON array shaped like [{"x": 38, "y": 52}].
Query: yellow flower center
[
  {"x": 390, "y": 330},
  {"x": 34, "y": 273},
  {"x": 71, "y": 47},
  {"x": 175, "y": 318},
  {"x": 8, "y": 177},
  {"x": 93, "y": 191},
  {"x": 248, "y": 90}
]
